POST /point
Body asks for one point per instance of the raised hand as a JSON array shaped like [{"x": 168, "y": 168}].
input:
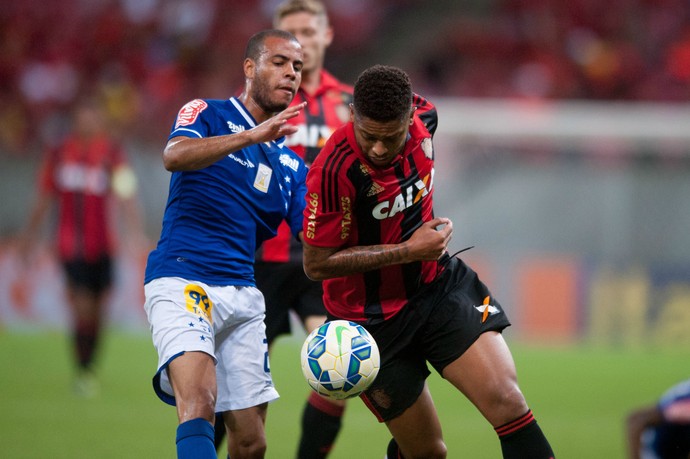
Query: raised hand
[{"x": 277, "y": 126}]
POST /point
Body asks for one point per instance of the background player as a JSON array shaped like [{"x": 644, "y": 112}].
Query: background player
[
  {"x": 278, "y": 270},
  {"x": 662, "y": 431},
  {"x": 83, "y": 177},
  {"x": 371, "y": 236},
  {"x": 279, "y": 273},
  {"x": 233, "y": 181}
]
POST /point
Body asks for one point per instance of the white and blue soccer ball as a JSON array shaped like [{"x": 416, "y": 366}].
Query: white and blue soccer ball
[{"x": 340, "y": 359}]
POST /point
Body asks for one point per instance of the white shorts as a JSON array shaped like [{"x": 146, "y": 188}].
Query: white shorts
[{"x": 225, "y": 322}]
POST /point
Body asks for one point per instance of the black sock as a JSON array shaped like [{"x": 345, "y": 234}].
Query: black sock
[
  {"x": 522, "y": 438},
  {"x": 393, "y": 451},
  {"x": 218, "y": 431},
  {"x": 85, "y": 339},
  {"x": 321, "y": 421}
]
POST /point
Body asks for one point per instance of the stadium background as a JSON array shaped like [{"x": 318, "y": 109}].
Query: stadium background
[{"x": 563, "y": 146}]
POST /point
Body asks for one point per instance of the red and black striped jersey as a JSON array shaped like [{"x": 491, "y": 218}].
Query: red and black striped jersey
[
  {"x": 78, "y": 174},
  {"x": 327, "y": 108},
  {"x": 352, "y": 203}
]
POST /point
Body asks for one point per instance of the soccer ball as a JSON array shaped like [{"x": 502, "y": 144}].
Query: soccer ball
[{"x": 340, "y": 359}]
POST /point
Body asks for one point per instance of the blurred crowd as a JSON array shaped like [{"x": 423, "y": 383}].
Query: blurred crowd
[
  {"x": 145, "y": 58},
  {"x": 636, "y": 50}
]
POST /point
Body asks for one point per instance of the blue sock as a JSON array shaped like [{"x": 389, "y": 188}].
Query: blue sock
[{"x": 195, "y": 440}]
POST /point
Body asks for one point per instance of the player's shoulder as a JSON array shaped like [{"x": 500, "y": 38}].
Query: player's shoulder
[
  {"x": 422, "y": 104},
  {"x": 425, "y": 110},
  {"x": 329, "y": 80},
  {"x": 334, "y": 86},
  {"x": 196, "y": 108},
  {"x": 338, "y": 152},
  {"x": 207, "y": 105}
]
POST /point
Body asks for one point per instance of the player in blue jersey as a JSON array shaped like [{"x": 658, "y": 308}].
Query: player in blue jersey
[
  {"x": 662, "y": 430},
  {"x": 233, "y": 182}
]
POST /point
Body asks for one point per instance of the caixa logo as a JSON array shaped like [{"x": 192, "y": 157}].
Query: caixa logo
[{"x": 408, "y": 197}]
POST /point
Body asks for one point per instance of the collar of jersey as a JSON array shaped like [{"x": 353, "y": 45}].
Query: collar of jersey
[{"x": 239, "y": 106}]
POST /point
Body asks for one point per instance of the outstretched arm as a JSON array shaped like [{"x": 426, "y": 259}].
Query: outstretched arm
[
  {"x": 188, "y": 154},
  {"x": 427, "y": 243}
]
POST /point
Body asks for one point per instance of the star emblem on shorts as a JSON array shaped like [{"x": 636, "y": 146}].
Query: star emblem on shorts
[
  {"x": 191, "y": 324},
  {"x": 202, "y": 337}
]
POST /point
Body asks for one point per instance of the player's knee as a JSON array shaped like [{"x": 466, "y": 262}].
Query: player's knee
[
  {"x": 433, "y": 450},
  {"x": 200, "y": 404},
  {"x": 250, "y": 448},
  {"x": 506, "y": 404}
]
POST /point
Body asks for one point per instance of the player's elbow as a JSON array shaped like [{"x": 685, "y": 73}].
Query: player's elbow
[
  {"x": 171, "y": 161},
  {"x": 175, "y": 156},
  {"x": 313, "y": 272},
  {"x": 317, "y": 262}
]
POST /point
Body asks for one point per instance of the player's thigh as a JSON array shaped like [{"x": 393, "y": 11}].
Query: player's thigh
[
  {"x": 244, "y": 376},
  {"x": 418, "y": 430},
  {"x": 486, "y": 374}
]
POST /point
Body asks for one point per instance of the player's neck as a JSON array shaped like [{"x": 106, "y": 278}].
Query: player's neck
[
  {"x": 259, "y": 114},
  {"x": 311, "y": 81}
]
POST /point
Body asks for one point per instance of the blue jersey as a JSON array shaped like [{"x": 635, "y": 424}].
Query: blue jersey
[{"x": 217, "y": 217}]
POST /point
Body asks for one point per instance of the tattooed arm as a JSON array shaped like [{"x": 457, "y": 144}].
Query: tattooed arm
[{"x": 427, "y": 243}]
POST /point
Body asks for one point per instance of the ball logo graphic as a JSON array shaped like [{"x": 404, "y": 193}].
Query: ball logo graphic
[{"x": 340, "y": 359}]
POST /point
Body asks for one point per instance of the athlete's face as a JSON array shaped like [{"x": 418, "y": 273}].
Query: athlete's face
[
  {"x": 313, "y": 33},
  {"x": 380, "y": 141},
  {"x": 276, "y": 75}
]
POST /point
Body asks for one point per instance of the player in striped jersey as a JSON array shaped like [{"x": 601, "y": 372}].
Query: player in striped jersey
[
  {"x": 233, "y": 182},
  {"x": 82, "y": 177},
  {"x": 371, "y": 236}
]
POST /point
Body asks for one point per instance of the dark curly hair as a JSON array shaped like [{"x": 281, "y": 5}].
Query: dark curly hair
[{"x": 383, "y": 93}]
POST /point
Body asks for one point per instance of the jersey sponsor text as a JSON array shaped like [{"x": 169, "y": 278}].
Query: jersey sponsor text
[
  {"x": 312, "y": 206},
  {"x": 407, "y": 198}
]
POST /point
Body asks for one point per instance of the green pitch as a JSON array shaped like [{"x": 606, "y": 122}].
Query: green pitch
[{"x": 580, "y": 396}]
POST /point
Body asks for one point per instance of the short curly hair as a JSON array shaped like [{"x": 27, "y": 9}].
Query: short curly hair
[{"x": 383, "y": 93}]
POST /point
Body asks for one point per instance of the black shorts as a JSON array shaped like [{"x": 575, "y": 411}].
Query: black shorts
[
  {"x": 286, "y": 287},
  {"x": 668, "y": 440},
  {"x": 94, "y": 276},
  {"x": 437, "y": 326}
]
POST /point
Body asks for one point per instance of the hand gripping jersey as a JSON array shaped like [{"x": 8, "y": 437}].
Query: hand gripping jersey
[
  {"x": 79, "y": 173},
  {"x": 216, "y": 217},
  {"x": 352, "y": 203},
  {"x": 327, "y": 109}
]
